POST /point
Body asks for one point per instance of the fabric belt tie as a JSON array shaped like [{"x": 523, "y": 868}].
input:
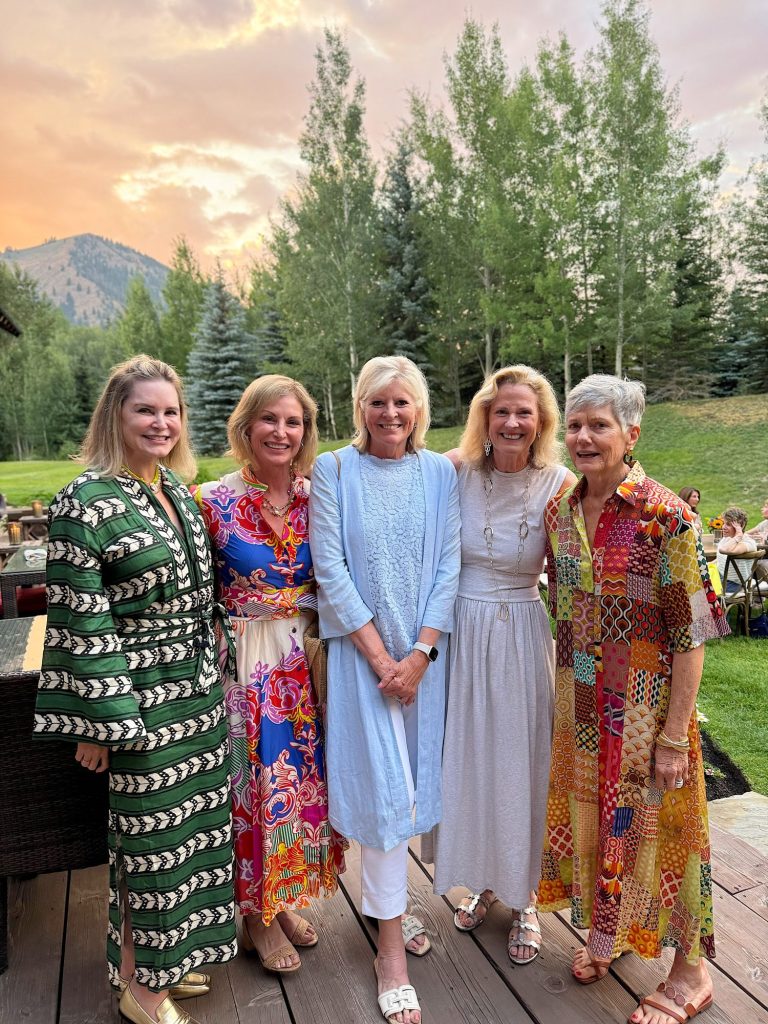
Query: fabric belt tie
[{"x": 220, "y": 629}]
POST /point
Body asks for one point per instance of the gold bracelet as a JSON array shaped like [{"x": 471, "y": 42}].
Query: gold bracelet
[{"x": 662, "y": 740}]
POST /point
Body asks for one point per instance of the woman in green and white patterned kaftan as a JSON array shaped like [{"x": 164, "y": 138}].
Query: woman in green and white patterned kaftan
[{"x": 130, "y": 663}]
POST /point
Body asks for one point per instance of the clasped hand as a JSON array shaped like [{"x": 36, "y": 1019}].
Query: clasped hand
[{"x": 400, "y": 679}]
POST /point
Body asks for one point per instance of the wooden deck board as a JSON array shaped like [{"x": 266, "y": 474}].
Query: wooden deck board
[
  {"x": 335, "y": 982},
  {"x": 85, "y": 992},
  {"x": 465, "y": 979},
  {"x": 29, "y": 989},
  {"x": 737, "y": 865},
  {"x": 454, "y": 981}
]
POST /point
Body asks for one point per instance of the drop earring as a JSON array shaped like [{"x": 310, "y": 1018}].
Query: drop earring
[{"x": 487, "y": 447}]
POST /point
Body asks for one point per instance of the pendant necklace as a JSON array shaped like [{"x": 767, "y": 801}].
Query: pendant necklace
[
  {"x": 522, "y": 533},
  {"x": 277, "y": 510},
  {"x": 153, "y": 484}
]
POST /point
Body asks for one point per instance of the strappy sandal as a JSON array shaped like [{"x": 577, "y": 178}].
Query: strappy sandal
[
  {"x": 301, "y": 927},
  {"x": 689, "y": 1009},
  {"x": 269, "y": 963},
  {"x": 523, "y": 927},
  {"x": 395, "y": 1000},
  {"x": 600, "y": 967},
  {"x": 468, "y": 906},
  {"x": 411, "y": 927}
]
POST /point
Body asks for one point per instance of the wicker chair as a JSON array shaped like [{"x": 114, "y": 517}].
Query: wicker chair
[{"x": 53, "y": 812}]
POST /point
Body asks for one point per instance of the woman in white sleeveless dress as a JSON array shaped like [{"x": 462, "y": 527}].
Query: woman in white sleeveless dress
[{"x": 500, "y": 697}]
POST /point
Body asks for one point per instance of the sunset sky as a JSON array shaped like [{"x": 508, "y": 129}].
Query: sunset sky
[{"x": 142, "y": 120}]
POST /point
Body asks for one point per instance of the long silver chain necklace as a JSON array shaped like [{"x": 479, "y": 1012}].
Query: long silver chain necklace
[{"x": 522, "y": 532}]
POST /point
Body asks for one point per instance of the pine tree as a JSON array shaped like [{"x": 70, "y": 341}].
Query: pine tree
[
  {"x": 219, "y": 367},
  {"x": 263, "y": 319},
  {"x": 139, "y": 326},
  {"x": 752, "y": 254},
  {"x": 183, "y": 295},
  {"x": 407, "y": 297}
]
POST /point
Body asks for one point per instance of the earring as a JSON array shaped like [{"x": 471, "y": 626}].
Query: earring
[
  {"x": 538, "y": 435},
  {"x": 487, "y": 447},
  {"x": 628, "y": 460}
]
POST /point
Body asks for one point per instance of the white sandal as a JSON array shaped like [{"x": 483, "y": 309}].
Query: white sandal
[
  {"x": 468, "y": 906},
  {"x": 411, "y": 927},
  {"x": 395, "y": 1000},
  {"x": 522, "y": 928}
]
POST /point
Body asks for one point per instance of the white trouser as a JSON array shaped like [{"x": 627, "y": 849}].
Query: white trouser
[{"x": 385, "y": 875}]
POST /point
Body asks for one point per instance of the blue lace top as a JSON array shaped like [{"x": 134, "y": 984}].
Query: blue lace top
[{"x": 393, "y": 498}]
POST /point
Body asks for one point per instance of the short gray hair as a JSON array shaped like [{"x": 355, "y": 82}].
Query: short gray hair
[{"x": 625, "y": 397}]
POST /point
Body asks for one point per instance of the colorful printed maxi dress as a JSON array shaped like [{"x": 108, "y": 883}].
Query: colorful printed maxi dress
[
  {"x": 130, "y": 663},
  {"x": 285, "y": 850},
  {"x": 632, "y": 862}
]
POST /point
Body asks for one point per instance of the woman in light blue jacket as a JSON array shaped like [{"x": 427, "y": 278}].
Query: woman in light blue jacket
[{"x": 384, "y": 532}]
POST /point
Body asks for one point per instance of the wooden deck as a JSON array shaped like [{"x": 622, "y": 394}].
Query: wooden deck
[{"x": 57, "y": 975}]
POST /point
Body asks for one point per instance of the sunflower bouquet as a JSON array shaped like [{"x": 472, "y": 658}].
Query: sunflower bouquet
[{"x": 715, "y": 523}]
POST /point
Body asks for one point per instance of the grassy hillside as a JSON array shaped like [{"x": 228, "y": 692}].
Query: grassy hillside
[{"x": 717, "y": 445}]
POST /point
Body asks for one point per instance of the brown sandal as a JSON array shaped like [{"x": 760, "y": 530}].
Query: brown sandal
[
  {"x": 600, "y": 967},
  {"x": 689, "y": 1009},
  {"x": 301, "y": 927},
  {"x": 270, "y": 962}
]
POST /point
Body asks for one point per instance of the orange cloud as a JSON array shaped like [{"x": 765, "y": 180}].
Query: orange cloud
[{"x": 146, "y": 120}]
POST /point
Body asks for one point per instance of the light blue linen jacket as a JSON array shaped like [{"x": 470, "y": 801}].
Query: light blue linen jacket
[{"x": 367, "y": 792}]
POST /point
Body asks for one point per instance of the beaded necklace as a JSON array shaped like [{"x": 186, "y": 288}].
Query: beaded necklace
[
  {"x": 153, "y": 484},
  {"x": 277, "y": 510}
]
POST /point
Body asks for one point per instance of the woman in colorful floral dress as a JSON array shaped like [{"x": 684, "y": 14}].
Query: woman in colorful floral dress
[
  {"x": 285, "y": 850},
  {"x": 627, "y": 844}
]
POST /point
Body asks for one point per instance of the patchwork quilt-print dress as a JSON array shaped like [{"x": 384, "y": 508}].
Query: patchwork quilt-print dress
[
  {"x": 285, "y": 849},
  {"x": 130, "y": 663},
  {"x": 632, "y": 862}
]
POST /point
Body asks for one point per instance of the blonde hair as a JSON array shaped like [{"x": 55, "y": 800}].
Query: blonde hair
[
  {"x": 256, "y": 397},
  {"x": 377, "y": 374},
  {"x": 102, "y": 448},
  {"x": 545, "y": 450}
]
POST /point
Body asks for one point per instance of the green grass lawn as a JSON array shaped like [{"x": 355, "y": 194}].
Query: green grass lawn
[
  {"x": 734, "y": 698},
  {"x": 718, "y": 446}
]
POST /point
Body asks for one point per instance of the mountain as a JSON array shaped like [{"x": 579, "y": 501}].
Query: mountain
[{"x": 87, "y": 276}]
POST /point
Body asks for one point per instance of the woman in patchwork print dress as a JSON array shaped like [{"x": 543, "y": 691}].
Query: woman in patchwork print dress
[
  {"x": 130, "y": 675},
  {"x": 627, "y": 843},
  {"x": 285, "y": 850}
]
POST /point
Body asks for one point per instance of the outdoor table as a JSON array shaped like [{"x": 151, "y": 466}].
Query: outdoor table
[
  {"x": 53, "y": 811},
  {"x": 34, "y": 528},
  {"x": 14, "y": 512},
  {"x": 19, "y": 573},
  {"x": 6, "y": 550}
]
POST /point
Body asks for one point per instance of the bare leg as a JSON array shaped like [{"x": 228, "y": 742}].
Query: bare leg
[{"x": 391, "y": 966}]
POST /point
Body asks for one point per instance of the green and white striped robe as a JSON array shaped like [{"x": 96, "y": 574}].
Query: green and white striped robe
[{"x": 130, "y": 662}]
